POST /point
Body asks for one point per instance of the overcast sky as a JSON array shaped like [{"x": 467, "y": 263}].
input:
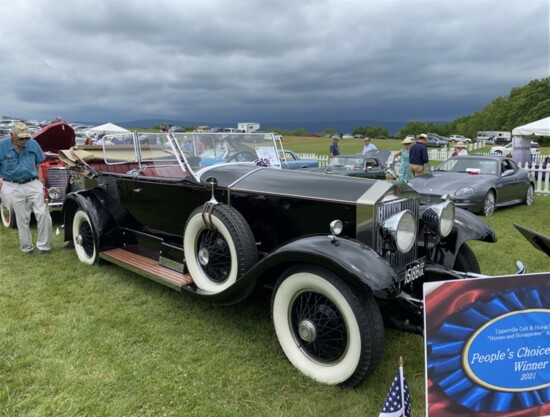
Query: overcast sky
[{"x": 280, "y": 60}]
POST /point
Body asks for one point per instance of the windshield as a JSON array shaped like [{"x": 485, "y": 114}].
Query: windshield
[
  {"x": 190, "y": 151},
  {"x": 348, "y": 162},
  {"x": 470, "y": 166}
]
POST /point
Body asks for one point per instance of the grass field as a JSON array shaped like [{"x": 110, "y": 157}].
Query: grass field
[{"x": 102, "y": 341}]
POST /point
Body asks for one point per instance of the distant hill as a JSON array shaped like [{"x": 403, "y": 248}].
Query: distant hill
[{"x": 343, "y": 126}]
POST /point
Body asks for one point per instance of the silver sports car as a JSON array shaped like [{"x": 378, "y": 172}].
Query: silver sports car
[{"x": 477, "y": 183}]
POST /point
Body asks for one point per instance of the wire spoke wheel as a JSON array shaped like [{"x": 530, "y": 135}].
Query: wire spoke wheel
[
  {"x": 84, "y": 238},
  {"x": 319, "y": 327},
  {"x": 214, "y": 255}
]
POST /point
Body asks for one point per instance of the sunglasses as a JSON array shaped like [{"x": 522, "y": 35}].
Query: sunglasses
[{"x": 25, "y": 139}]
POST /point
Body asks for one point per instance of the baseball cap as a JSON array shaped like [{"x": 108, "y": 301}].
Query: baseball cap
[
  {"x": 422, "y": 135},
  {"x": 21, "y": 130}
]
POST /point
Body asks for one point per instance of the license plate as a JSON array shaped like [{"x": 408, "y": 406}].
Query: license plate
[{"x": 414, "y": 270}]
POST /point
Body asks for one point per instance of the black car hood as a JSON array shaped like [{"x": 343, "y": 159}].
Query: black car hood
[
  {"x": 55, "y": 137},
  {"x": 253, "y": 179}
]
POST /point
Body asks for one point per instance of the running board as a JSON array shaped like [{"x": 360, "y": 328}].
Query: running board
[{"x": 146, "y": 267}]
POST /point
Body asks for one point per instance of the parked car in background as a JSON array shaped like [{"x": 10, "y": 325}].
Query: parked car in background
[
  {"x": 411, "y": 137},
  {"x": 372, "y": 165},
  {"x": 477, "y": 183},
  {"x": 291, "y": 160},
  {"x": 347, "y": 136},
  {"x": 52, "y": 138},
  {"x": 459, "y": 138},
  {"x": 507, "y": 150},
  {"x": 340, "y": 255},
  {"x": 435, "y": 141}
]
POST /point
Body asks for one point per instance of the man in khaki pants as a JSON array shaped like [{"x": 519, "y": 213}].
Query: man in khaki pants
[
  {"x": 418, "y": 155},
  {"x": 20, "y": 187}
]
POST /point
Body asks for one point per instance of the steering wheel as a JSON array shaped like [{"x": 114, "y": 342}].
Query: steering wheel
[{"x": 249, "y": 155}]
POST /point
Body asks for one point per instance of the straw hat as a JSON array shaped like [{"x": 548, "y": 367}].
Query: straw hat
[
  {"x": 407, "y": 141},
  {"x": 460, "y": 145}
]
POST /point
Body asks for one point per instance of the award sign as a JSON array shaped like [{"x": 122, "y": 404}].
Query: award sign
[{"x": 488, "y": 346}]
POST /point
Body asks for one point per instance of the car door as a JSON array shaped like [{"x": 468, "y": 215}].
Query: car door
[{"x": 507, "y": 186}]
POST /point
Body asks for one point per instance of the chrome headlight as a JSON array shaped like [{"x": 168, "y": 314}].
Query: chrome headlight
[
  {"x": 400, "y": 230},
  {"x": 336, "y": 227},
  {"x": 464, "y": 192},
  {"x": 54, "y": 193},
  {"x": 440, "y": 218}
]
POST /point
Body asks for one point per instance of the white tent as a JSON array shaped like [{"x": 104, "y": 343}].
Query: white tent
[
  {"x": 538, "y": 128},
  {"x": 108, "y": 128}
]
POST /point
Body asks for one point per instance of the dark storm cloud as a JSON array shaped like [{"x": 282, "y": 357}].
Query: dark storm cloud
[{"x": 222, "y": 60}]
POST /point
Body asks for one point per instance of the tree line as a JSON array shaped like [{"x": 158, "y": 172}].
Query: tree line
[{"x": 523, "y": 105}]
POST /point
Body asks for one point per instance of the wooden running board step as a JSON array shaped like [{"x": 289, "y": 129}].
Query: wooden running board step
[{"x": 147, "y": 267}]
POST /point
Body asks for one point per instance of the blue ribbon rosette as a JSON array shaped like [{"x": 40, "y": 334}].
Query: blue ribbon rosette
[{"x": 493, "y": 355}]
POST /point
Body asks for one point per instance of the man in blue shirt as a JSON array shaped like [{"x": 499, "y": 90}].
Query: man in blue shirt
[
  {"x": 368, "y": 146},
  {"x": 418, "y": 155},
  {"x": 20, "y": 187},
  {"x": 334, "y": 149}
]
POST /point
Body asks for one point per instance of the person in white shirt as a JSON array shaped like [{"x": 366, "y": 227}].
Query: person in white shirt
[
  {"x": 368, "y": 146},
  {"x": 460, "y": 149}
]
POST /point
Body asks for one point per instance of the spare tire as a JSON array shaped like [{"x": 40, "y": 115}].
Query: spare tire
[{"x": 217, "y": 254}]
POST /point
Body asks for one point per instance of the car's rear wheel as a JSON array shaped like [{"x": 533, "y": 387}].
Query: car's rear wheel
[
  {"x": 329, "y": 332},
  {"x": 84, "y": 238},
  {"x": 8, "y": 216},
  {"x": 466, "y": 260},
  {"x": 489, "y": 204},
  {"x": 530, "y": 195},
  {"x": 219, "y": 247}
]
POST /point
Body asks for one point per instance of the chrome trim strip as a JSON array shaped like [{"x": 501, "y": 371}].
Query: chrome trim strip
[{"x": 374, "y": 193}]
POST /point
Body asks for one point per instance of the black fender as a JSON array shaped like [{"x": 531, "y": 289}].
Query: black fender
[
  {"x": 467, "y": 226},
  {"x": 94, "y": 202},
  {"x": 353, "y": 261}
]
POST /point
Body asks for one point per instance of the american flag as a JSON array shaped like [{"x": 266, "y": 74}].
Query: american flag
[{"x": 398, "y": 400}]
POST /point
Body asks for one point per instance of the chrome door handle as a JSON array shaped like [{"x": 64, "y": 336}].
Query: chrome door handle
[{"x": 138, "y": 190}]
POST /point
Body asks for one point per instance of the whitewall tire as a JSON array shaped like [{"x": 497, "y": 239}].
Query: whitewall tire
[
  {"x": 84, "y": 238},
  {"x": 8, "y": 216},
  {"x": 218, "y": 253},
  {"x": 330, "y": 333}
]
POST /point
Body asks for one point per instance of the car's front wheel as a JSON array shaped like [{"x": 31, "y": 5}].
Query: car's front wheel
[
  {"x": 489, "y": 204},
  {"x": 8, "y": 216},
  {"x": 530, "y": 195},
  {"x": 466, "y": 260},
  {"x": 329, "y": 332},
  {"x": 84, "y": 240},
  {"x": 218, "y": 246}
]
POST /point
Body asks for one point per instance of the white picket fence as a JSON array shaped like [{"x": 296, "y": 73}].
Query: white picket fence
[
  {"x": 440, "y": 154},
  {"x": 323, "y": 159},
  {"x": 542, "y": 186}
]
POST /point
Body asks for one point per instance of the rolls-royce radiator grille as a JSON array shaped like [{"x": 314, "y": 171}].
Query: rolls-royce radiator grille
[
  {"x": 58, "y": 177},
  {"x": 385, "y": 210}
]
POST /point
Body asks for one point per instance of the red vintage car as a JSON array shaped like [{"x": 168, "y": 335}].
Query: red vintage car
[{"x": 51, "y": 138}]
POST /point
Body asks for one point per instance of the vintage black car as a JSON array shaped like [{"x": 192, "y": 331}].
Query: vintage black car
[{"x": 341, "y": 255}]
